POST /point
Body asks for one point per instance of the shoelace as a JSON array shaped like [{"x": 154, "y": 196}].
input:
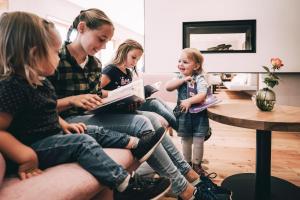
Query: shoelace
[
  {"x": 208, "y": 178},
  {"x": 212, "y": 175}
]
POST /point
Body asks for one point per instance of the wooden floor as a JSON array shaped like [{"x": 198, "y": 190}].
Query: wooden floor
[{"x": 231, "y": 150}]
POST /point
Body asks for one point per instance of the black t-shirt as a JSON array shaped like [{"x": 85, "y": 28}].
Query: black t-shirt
[
  {"x": 33, "y": 109},
  {"x": 116, "y": 76}
]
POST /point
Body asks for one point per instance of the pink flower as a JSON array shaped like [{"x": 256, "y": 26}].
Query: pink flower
[{"x": 276, "y": 63}]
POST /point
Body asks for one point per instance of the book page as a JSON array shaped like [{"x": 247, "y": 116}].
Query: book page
[{"x": 121, "y": 97}]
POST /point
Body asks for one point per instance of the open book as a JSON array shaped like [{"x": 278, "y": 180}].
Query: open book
[
  {"x": 209, "y": 101},
  {"x": 150, "y": 89},
  {"x": 120, "y": 98}
]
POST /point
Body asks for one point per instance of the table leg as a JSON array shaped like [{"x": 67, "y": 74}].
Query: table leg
[{"x": 263, "y": 165}]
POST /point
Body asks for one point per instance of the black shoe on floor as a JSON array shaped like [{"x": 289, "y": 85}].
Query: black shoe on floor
[
  {"x": 144, "y": 188},
  {"x": 147, "y": 144},
  {"x": 220, "y": 192},
  {"x": 204, "y": 192}
]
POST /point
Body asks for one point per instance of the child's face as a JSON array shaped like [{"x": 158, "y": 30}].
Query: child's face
[
  {"x": 93, "y": 40},
  {"x": 186, "y": 65},
  {"x": 133, "y": 57},
  {"x": 49, "y": 66}
]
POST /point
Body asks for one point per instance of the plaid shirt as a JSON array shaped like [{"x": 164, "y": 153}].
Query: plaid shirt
[{"x": 71, "y": 79}]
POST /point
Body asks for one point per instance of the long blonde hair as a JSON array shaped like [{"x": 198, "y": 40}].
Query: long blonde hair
[
  {"x": 20, "y": 33},
  {"x": 124, "y": 49},
  {"x": 93, "y": 18},
  {"x": 195, "y": 55}
]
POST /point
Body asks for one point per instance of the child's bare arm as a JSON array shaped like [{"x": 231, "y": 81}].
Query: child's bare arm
[
  {"x": 16, "y": 151},
  {"x": 175, "y": 83},
  {"x": 104, "y": 80}
]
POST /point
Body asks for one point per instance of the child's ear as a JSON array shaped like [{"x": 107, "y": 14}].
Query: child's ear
[
  {"x": 32, "y": 53},
  {"x": 81, "y": 27},
  {"x": 197, "y": 67}
]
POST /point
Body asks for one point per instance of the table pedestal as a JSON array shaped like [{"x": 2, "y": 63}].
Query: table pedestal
[{"x": 243, "y": 188}]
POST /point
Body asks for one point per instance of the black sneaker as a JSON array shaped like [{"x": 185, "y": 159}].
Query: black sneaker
[
  {"x": 147, "y": 144},
  {"x": 144, "y": 188},
  {"x": 203, "y": 193},
  {"x": 217, "y": 190}
]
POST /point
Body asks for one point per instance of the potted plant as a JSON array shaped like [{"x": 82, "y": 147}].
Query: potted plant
[{"x": 265, "y": 97}]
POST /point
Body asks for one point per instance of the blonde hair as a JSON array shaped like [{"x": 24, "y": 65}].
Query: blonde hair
[
  {"x": 124, "y": 49},
  {"x": 93, "y": 18},
  {"x": 20, "y": 33},
  {"x": 195, "y": 55}
]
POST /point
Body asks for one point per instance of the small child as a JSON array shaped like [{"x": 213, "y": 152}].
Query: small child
[
  {"x": 119, "y": 73},
  {"x": 29, "y": 122},
  {"x": 192, "y": 88}
]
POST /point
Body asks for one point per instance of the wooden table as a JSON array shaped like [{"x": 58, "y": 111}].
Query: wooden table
[{"x": 261, "y": 185}]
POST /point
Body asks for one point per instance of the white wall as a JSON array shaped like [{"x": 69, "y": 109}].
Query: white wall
[
  {"x": 62, "y": 10},
  {"x": 66, "y": 11},
  {"x": 278, "y": 28}
]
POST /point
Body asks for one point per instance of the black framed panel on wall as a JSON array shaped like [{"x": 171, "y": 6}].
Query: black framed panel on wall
[{"x": 235, "y": 36}]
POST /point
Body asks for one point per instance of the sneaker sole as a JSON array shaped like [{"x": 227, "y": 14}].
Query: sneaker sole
[
  {"x": 149, "y": 153},
  {"x": 163, "y": 193}
]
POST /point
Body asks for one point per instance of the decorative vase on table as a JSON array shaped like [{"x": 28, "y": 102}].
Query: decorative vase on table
[{"x": 265, "y": 98}]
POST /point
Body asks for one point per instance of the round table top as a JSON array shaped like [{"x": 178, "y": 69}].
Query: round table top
[{"x": 247, "y": 115}]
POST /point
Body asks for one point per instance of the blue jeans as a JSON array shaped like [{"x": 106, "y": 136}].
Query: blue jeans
[
  {"x": 166, "y": 159},
  {"x": 86, "y": 149},
  {"x": 131, "y": 124},
  {"x": 160, "y": 107}
]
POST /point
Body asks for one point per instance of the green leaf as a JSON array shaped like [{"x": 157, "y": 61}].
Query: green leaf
[
  {"x": 266, "y": 68},
  {"x": 276, "y": 76}
]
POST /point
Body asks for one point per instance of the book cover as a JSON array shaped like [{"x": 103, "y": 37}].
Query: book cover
[
  {"x": 209, "y": 101},
  {"x": 150, "y": 89},
  {"x": 120, "y": 98}
]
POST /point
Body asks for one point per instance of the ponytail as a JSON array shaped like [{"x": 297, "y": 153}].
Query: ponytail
[{"x": 94, "y": 18}]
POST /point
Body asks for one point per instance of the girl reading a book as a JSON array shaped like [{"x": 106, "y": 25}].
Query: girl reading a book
[
  {"x": 119, "y": 73},
  {"x": 77, "y": 81},
  {"x": 192, "y": 89}
]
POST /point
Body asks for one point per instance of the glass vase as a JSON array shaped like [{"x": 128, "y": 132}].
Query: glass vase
[{"x": 265, "y": 99}]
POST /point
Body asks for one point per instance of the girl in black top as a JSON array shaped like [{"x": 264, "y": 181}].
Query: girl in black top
[{"x": 119, "y": 73}]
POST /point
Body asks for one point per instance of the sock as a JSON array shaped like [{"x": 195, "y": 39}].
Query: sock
[
  {"x": 124, "y": 184},
  {"x": 198, "y": 149},
  {"x": 135, "y": 142},
  {"x": 195, "y": 182},
  {"x": 187, "y": 148}
]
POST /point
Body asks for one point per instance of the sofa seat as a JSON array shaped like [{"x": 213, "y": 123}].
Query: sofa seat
[
  {"x": 62, "y": 182},
  {"x": 243, "y": 82}
]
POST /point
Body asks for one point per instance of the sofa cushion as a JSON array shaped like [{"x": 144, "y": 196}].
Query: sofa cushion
[
  {"x": 66, "y": 181},
  {"x": 150, "y": 78}
]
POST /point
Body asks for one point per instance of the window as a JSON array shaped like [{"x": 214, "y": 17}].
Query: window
[{"x": 237, "y": 36}]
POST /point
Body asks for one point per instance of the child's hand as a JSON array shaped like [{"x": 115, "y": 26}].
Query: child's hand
[
  {"x": 188, "y": 78},
  {"x": 185, "y": 105},
  {"x": 86, "y": 101},
  {"x": 29, "y": 168},
  {"x": 74, "y": 128}
]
